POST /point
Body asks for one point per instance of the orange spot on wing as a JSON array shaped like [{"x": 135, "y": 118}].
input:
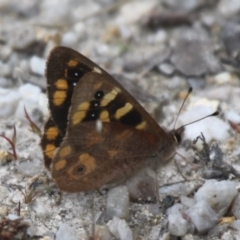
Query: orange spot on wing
[
  {"x": 59, "y": 97},
  {"x": 52, "y": 133},
  {"x": 49, "y": 150},
  {"x": 65, "y": 151},
  {"x": 61, "y": 84},
  {"x": 60, "y": 165},
  {"x": 72, "y": 63}
]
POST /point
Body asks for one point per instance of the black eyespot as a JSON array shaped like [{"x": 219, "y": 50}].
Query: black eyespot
[
  {"x": 92, "y": 115},
  {"x": 78, "y": 71},
  {"x": 94, "y": 104},
  {"x": 79, "y": 169},
  {"x": 75, "y": 73},
  {"x": 99, "y": 94}
]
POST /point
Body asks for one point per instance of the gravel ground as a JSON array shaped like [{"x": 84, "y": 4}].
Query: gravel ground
[{"x": 156, "y": 49}]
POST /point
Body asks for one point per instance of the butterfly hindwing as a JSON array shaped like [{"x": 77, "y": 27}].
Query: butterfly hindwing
[
  {"x": 87, "y": 152},
  {"x": 97, "y": 133}
]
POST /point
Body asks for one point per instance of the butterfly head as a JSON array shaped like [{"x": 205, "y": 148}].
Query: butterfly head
[{"x": 177, "y": 134}]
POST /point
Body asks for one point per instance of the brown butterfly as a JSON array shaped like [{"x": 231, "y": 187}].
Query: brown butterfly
[{"x": 81, "y": 155}]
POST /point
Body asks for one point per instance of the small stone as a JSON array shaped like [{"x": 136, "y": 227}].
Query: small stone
[
  {"x": 43, "y": 104},
  {"x": 175, "y": 209},
  {"x": 5, "y": 52},
  {"x": 230, "y": 36},
  {"x": 186, "y": 201},
  {"x": 141, "y": 187},
  {"x": 141, "y": 9},
  {"x": 175, "y": 190},
  {"x": 85, "y": 9},
  {"x": 29, "y": 168},
  {"x": 237, "y": 224},
  {"x": 50, "y": 8},
  {"x": 118, "y": 202},
  {"x": 5, "y": 70},
  {"x": 166, "y": 68},
  {"x": 13, "y": 217},
  {"x": 42, "y": 208},
  {"x": 225, "y": 78},
  {"x": 102, "y": 232},
  {"x": 228, "y": 9},
  {"x": 65, "y": 232},
  {"x": 213, "y": 128},
  {"x": 194, "y": 57},
  {"x": 188, "y": 237},
  {"x": 218, "y": 194},
  {"x": 37, "y": 65},
  {"x": 177, "y": 225},
  {"x": 119, "y": 228},
  {"x": 69, "y": 39},
  {"x": 236, "y": 207},
  {"x": 182, "y": 5},
  {"x": 232, "y": 115},
  {"x": 30, "y": 96},
  {"x": 22, "y": 35},
  {"x": 202, "y": 216},
  {"x": 30, "y": 92},
  {"x": 8, "y": 102},
  {"x": 5, "y": 82}
]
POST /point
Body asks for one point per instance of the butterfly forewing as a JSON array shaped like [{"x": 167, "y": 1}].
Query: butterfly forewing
[
  {"x": 50, "y": 141},
  {"x": 65, "y": 68}
]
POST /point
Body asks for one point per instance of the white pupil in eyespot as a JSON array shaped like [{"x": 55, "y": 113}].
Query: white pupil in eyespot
[
  {"x": 74, "y": 84},
  {"x": 95, "y": 105},
  {"x": 93, "y": 115}
]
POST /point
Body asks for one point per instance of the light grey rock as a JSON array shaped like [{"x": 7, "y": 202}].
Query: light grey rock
[
  {"x": 118, "y": 202},
  {"x": 142, "y": 187},
  {"x": 236, "y": 207},
  {"x": 177, "y": 225},
  {"x": 8, "y": 102},
  {"x": 66, "y": 232},
  {"x": 202, "y": 216},
  {"x": 218, "y": 194},
  {"x": 187, "y": 202},
  {"x": 120, "y": 229},
  {"x": 193, "y": 56},
  {"x": 37, "y": 65}
]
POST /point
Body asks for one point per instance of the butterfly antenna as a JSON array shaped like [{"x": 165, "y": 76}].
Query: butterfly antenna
[
  {"x": 200, "y": 119},
  {"x": 189, "y": 91}
]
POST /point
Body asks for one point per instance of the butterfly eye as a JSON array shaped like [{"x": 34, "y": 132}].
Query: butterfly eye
[
  {"x": 99, "y": 94},
  {"x": 79, "y": 170},
  {"x": 178, "y": 134}
]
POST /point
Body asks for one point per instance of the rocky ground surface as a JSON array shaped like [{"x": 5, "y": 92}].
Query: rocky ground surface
[{"x": 156, "y": 49}]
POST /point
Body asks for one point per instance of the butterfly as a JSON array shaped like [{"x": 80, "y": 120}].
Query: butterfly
[{"x": 97, "y": 133}]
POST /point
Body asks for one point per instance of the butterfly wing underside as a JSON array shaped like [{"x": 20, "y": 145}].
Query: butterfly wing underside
[{"x": 88, "y": 157}]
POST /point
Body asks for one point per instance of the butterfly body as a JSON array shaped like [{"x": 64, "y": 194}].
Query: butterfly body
[{"x": 81, "y": 156}]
